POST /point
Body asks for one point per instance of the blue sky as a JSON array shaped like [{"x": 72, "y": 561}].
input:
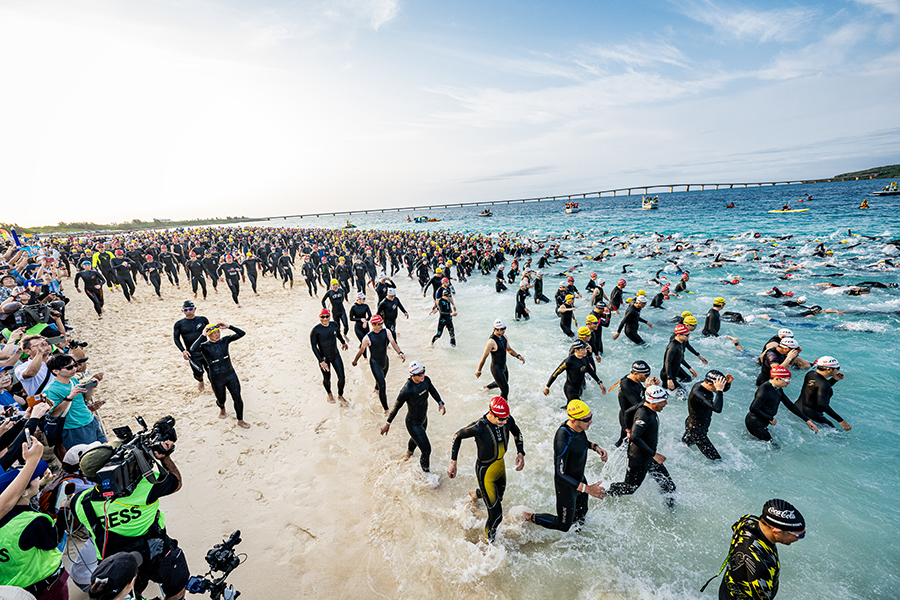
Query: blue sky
[{"x": 117, "y": 109}]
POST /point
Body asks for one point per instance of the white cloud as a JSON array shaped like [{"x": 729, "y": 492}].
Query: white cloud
[
  {"x": 825, "y": 55},
  {"x": 891, "y": 7},
  {"x": 779, "y": 25}
]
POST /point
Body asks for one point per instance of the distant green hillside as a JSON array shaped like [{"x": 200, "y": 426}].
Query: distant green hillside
[{"x": 888, "y": 172}]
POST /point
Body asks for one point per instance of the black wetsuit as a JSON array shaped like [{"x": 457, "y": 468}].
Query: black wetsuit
[
  {"x": 657, "y": 301},
  {"x": 630, "y": 323},
  {"x": 195, "y": 269},
  {"x": 764, "y": 408},
  {"x": 570, "y": 449},
  {"x": 815, "y": 399},
  {"x": 672, "y": 362},
  {"x": 702, "y": 403},
  {"x": 445, "y": 308},
  {"x": 249, "y": 266},
  {"x": 521, "y": 312},
  {"x": 631, "y": 395},
  {"x": 153, "y": 272},
  {"x": 170, "y": 266},
  {"x": 309, "y": 275},
  {"x": 358, "y": 313},
  {"x": 379, "y": 363},
  {"x": 221, "y": 373},
  {"x": 336, "y": 297},
  {"x": 284, "y": 265},
  {"x": 388, "y": 309},
  {"x": 539, "y": 291},
  {"x": 615, "y": 298},
  {"x": 769, "y": 359},
  {"x": 498, "y": 367},
  {"x": 565, "y": 320},
  {"x": 122, "y": 269},
  {"x": 324, "y": 342},
  {"x": 190, "y": 330},
  {"x": 575, "y": 368},
  {"x": 232, "y": 273},
  {"x": 712, "y": 324},
  {"x": 415, "y": 396},
  {"x": 93, "y": 287},
  {"x": 641, "y": 450},
  {"x": 490, "y": 469}
]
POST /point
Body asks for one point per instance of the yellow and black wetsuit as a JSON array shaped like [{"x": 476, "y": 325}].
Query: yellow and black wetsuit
[
  {"x": 752, "y": 566},
  {"x": 490, "y": 469}
]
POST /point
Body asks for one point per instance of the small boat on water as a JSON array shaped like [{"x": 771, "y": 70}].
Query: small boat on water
[
  {"x": 486, "y": 213},
  {"x": 789, "y": 210},
  {"x": 420, "y": 220},
  {"x": 650, "y": 203},
  {"x": 571, "y": 208},
  {"x": 889, "y": 190},
  {"x": 349, "y": 225}
]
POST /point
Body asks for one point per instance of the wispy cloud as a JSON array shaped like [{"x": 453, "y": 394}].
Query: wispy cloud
[
  {"x": 514, "y": 174},
  {"x": 891, "y": 7},
  {"x": 828, "y": 54},
  {"x": 775, "y": 25}
]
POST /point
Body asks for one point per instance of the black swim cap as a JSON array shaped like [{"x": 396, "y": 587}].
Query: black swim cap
[
  {"x": 713, "y": 375},
  {"x": 782, "y": 515},
  {"x": 187, "y": 304},
  {"x": 640, "y": 367}
]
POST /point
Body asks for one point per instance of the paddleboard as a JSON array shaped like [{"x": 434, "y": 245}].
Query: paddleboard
[{"x": 793, "y": 210}]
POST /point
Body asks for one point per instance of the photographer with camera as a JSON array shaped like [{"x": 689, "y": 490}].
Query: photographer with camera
[
  {"x": 122, "y": 512},
  {"x": 34, "y": 374},
  {"x": 74, "y": 400}
]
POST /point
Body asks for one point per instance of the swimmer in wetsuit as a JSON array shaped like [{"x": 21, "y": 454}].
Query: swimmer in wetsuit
[
  {"x": 630, "y": 322},
  {"x": 705, "y": 399},
  {"x": 324, "y": 339},
  {"x": 642, "y": 455},
  {"x": 570, "y": 447},
  {"x": 765, "y": 405},
  {"x": 631, "y": 395},
  {"x": 360, "y": 313},
  {"x": 498, "y": 347},
  {"x": 93, "y": 286},
  {"x": 576, "y": 365},
  {"x": 671, "y": 372},
  {"x": 815, "y": 396},
  {"x": 414, "y": 394},
  {"x": 189, "y": 330},
  {"x": 221, "y": 373},
  {"x": 491, "y": 433},
  {"x": 379, "y": 339}
]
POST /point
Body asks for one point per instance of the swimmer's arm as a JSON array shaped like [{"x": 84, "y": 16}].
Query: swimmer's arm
[
  {"x": 434, "y": 393},
  {"x": 560, "y": 449},
  {"x": 517, "y": 436},
  {"x": 562, "y": 367},
  {"x": 466, "y": 432},
  {"x": 489, "y": 347},
  {"x": 399, "y": 402},
  {"x": 237, "y": 333}
]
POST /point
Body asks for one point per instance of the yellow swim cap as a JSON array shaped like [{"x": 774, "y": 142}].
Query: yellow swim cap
[
  {"x": 334, "y": 282},
  {"x": 439, "y": 270},
  {"x": 686, "y": 313},
  {"x": 629, "y": 300},
  {"x": 584, "y": 332},
  {"x": 641, "y": 293},
  {"x": 569, "y": 297},
  {"x": 691, "y": 320},
  {"x": 591, "y": 319},
  {"x": 576, "y": 409},
  {"x": 720, "y": 301}
]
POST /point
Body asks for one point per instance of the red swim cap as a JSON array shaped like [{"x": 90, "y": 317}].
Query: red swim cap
[
  {"x": 377, "y": 319},
  {"x": 621, "y": 282},
  {"x": 779, "y": 372},
  {"x": 682, "y": 330},
  {"x": 499, "y": 407},
  {"x": 324, "y": 313}
]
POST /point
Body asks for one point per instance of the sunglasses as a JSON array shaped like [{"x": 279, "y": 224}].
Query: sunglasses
[
  {"x": 499, "y": 418},
  {"x": 187, "y": 309},
  {"x": 422, "y": 374},
  {"x": 71, "y": 366},
  {"x": 587, "y": 419}
]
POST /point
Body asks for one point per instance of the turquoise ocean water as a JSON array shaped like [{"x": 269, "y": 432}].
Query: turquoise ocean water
[{"x": 845, "y": 484}]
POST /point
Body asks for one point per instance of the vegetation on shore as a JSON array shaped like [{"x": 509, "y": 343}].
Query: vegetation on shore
[
  {"x": 134, "y": 225},
  {"x": 886, "y": 172}
]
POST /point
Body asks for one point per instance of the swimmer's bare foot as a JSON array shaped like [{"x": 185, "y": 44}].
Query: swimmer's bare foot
[
  {"x": 200, "y": 386},
  {"x": 473, "y": 494},
  {"x": 330, "y": 399},
  {"x": 244, "y": 424},
  {"x": 222, "y": 414},
  {"x": 343, "y": 401},
  {"x": 406, "y": 456}
]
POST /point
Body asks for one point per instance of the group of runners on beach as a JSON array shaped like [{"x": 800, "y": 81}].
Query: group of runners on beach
[{"x": 351, "y": 275}]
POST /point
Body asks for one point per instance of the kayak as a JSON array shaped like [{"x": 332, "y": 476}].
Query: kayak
[{"x": 793, "y": 210}]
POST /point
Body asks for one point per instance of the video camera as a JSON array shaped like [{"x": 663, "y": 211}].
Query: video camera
[
  {"x": 221, "y": 557},
  {"x": 134, "y": 459}
]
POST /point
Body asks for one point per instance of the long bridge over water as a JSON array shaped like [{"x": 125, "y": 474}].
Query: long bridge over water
[{"x": 611, "y": 193}]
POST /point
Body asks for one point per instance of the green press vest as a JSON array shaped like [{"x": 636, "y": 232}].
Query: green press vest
[
  {"x": 19, "y": 567},
  {"x": 129, "y": 516}
]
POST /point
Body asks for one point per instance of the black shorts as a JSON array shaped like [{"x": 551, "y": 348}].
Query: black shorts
[{"x": 171, "y": 571}]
